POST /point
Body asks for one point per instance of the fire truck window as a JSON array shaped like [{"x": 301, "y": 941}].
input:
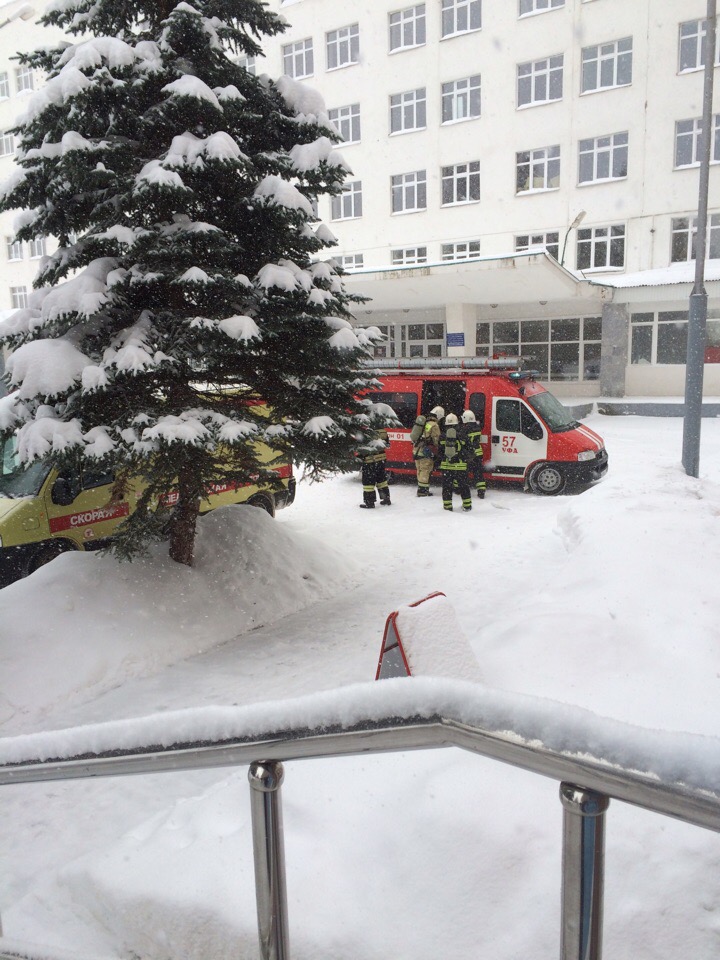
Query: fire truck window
[
  {"x": 405, "y": 405},
  {"x": 530, "y": 426},
  {"x": 448, "y": 394},
  {"x": 507, "y": 416},
  {"x": 477, "y": 405}
]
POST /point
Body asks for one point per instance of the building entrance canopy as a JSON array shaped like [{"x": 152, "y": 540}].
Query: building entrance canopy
[{"x": 513, "y": 279}]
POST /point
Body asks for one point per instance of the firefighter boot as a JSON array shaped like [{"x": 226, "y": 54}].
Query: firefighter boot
[
  {"x": 385, "y": 498},
  {"x": 367, "y": 506}
]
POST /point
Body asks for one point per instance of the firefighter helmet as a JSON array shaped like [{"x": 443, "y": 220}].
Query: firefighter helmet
[
  {"x": 438, "y": 412},
  {"x": 468, "y": 417},
  {"x": 451, "y": 420}
]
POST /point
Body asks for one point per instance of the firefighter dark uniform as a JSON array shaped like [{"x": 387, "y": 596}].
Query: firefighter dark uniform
[
  {"x": 472, "y": 431},
  {"x": 425, "y": 451},
  {"x": 372, "y": 457},
  {"x": 454, "y": 463}
]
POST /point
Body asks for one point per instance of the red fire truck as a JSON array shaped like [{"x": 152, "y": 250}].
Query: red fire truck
[{"x": 529, "y": 438}]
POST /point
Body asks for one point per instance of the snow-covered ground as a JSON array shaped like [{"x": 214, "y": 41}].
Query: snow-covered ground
[{"x": 607, "y": 601}]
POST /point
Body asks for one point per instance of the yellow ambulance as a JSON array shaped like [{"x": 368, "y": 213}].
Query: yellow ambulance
[{"x": 44, "y": 514}]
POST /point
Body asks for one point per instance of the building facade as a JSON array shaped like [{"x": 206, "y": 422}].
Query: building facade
[{"x": 525, "y": 176}]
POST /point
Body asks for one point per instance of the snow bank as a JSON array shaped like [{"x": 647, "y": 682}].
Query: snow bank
[{"x": 88, "y": 635}]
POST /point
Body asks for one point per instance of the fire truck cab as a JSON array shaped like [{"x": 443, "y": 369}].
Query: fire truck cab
[{"x": 529, "y": 438}]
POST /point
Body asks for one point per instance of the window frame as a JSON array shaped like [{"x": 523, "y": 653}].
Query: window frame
[
  {"x": 452, "y": 252},
  {"x": 294, "y": 53},
  {"x": 540, "y": 72},
  {"x": 344, "y": 37},
  {"x": 472, "y": 94},
  {"x": 19, "y": 297},
  {"x": 410, "y": 104},
  {"x": 549, "y": 338},
  {"x": 472, "y": 9},
  {"x": 601, "y": 58},
  {"x": 409, "y": 256},
  {"x": 35, "y": 245},
  {"x": 4, "y": 85},
  {"x": 538, "y": 6},
  {"x": 695, "y": 135},
  {"x": 24, "y": 79},
  {"x": 351, "y": 261},
  {"x": 539, "y": 241},
  {"x": 689, "y": 232},
  {"x": 699, "y": 42},
  {"x": 350, "y": 119},
  {"x": 546, "y": 159},
  {"x": 13, "y": 249},
  {"x": 408, "y": 186},
  {"x": 599, "y": 236},
  {"x": 457, "y": 174},
  {"x": 614, "y": 151},
  {"x": 414, "y": 18},
  {"x": 347, "y": 205},
  {"x": 7, "y": 143}
]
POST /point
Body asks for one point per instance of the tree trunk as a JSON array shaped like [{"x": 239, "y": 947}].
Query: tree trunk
[{"x": 184, "y": 521}]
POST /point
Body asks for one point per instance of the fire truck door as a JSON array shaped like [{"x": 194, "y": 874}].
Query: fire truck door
[{"x": 517, "y": 436}]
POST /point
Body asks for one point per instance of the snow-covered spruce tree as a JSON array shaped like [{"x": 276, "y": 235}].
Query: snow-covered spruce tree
[{"x": 180, "y": 188}]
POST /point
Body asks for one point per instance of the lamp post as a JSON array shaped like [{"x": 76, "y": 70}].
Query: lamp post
[
  {"x": 23, "y": 13},
  {"x": 697, "y": 314},
  {"x": 576, "y": 223}
]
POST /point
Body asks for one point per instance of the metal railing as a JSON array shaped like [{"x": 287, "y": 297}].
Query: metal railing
[{"x": 587, "y": 783}]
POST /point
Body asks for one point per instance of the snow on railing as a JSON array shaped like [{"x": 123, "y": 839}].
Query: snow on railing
[{"x": 593, "y": 758}]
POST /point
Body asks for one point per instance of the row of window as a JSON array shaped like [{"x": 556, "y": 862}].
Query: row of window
[
  {"x": 662, "y": 337},
  {"x": 604, "y": 65},
  {"x": 15, "y": 249},
  {"x": 597, "y": 248},
  {"x": 24, "y": 81}
]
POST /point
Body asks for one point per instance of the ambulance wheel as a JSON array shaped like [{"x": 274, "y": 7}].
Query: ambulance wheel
[
  {"x": 47, "y": 552},
  {"x": 263, "y": 501},
  {"x": 547, "y": 479}
]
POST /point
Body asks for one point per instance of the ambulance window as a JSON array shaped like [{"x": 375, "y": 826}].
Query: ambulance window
[
  {"x": 477, "y": 405},
  {"x": 405, "y": 405},
  {"x": 507, "y": 416},
  {"x": 92, "y": 478}
]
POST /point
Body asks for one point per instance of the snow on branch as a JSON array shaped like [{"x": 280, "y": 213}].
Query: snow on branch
[
  {"x": 283, "y": 194},
  {"x": 189, "y": 86},
  {"x": 309, "y": 156},
  {"x": 85, "y": 294},
  {"x": 47, "y": 435},
  {"x": 189, "y": 150},
  {"x": 45, "y": 368}
]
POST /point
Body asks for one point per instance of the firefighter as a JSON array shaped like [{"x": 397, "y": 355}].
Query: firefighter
[
  {"x": 454, "y": 450},
  {"x": 426, "y": 450},
  {"x": 372, "y": 457},
  {"x": 473, "y": 433}
]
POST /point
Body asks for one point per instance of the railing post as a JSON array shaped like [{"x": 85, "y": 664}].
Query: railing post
[
  {"x": 583, "y": 872},
  {"x": 269, "y": 850}
]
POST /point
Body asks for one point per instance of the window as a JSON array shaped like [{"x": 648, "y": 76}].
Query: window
[
  {"x": 662, "y": 337},
  {"x": 607, "y": 65},
  {"x": 14, "y": 248},
  {"x": 19, "y": 297},
  {"x": 604, "y": 158},
  {"x": 539, "y": 241},
  {"x": 684, "y": 238},
  {"x": 407, "y": 28},
  {"x": 538, "y": 6},
  {"x": 249, "y": 64},
  {"x": 422, "y": 339},
  {"x": 348, "y": 205},
  {"x": 408, "y": 256},
  {"x": 461, "y": 183},
  {"x": 460, "y": 16},
  {"x": 351, "y": 261},
  {"x": 409, "y": 191},
  {"x": 693, "y": 44},
  {"x": 407, "y": 111},
  {"x": 537, "y": 170},
  {"x": 37, "y": 248},
  {"x": 298, "y": 59},
  {"x": 4, "y": 86},
  {"x": 347, "y": 121},
  {"x": 24, "y": 79},
  {"x": 559, "y": 349},
  {"x": 601, "y": 248},
  {"x": 687, "y": 142},
  {"x": 540, "y": 82},
  {"x": 342, "y": 46},
  {"x": 463, "y": 250},
  {"x": 461, "y": 99},
  {"x": 7, "y": 143}
]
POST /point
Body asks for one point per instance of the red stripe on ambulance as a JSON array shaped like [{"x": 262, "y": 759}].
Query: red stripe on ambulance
[{"x": 86, "y": 517}]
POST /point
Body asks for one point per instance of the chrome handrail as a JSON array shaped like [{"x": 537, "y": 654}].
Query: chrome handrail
[{"x": 587, "y": 783}]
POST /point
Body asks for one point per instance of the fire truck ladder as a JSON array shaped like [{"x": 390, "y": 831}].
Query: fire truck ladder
[{"x": 587, "y": 783}]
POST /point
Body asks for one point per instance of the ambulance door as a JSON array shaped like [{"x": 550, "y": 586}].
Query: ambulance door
[
  {"x": 80, "y": 509},
  {"x": 517, "y": 436}
]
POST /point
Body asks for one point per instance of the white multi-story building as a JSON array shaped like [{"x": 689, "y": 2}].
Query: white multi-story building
[
  {"x": 480, "y": 132},
  {"x": 525, "y": 176}
]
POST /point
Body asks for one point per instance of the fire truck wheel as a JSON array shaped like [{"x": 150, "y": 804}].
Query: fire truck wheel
[
  {"x": 47, "y": 552},
  {"x": 547, "y": 479},
  {"x": 263, "y": 501}
]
